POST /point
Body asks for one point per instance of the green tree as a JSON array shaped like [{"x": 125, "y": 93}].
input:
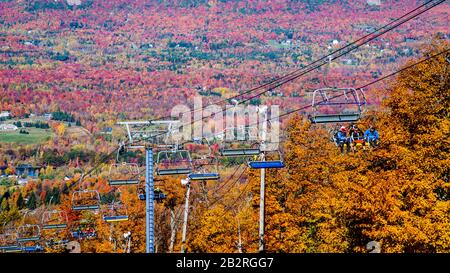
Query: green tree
[
  {"x": 20, "y": 203},
  {"x": 32, "y": 201}
]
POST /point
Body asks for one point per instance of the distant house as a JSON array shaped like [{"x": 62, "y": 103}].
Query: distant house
[
  {"x": 5, "y": 114},
  {"x": 8, "y": 127},
  {"x": 74, "y": 2},
  {"x": 28, "y": 170},
  {"x": 374, "y": 2},
  {"x": 48, "y": 116}
]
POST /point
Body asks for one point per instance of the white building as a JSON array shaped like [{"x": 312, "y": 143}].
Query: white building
[
  {"x": 374, "y": 2},
  {"x": 5, "y": 114},
  {"x": 8, "y": 127}
]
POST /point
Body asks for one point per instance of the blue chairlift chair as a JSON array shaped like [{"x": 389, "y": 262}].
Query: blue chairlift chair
[
  {"x": 173, "y": 162},
  {"x": 85, "y": 200},
  {"x": 123, "y": 174},
  {"x": 337, "y": 105}
]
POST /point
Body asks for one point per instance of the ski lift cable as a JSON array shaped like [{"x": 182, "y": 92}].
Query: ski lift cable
[
  {"x": 196, "y": 224},
  {"x": 365, "y": 85},
  {"x": 294, "y": 76},
  {"x": 328, "y": 58},
  {"x": 106, "y": 157},
  {"x": 227, "y": 208}
]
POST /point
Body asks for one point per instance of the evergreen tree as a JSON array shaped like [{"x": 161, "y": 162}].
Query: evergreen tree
[
  {"x": 20, "y": 203},
  {"x": 56, "y": 196},
  {"x": 32, "y": 201}
]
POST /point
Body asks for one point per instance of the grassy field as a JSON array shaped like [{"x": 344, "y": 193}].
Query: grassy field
[{"x": 36, "y": 136}]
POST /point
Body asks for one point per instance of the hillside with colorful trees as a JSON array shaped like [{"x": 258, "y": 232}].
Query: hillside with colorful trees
[
  {"x": 322, "y": 202},
  {"x": 69, "y": 70}
]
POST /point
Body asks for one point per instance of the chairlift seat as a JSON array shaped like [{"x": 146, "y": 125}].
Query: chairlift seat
[
  {"x": 123, "y": 182},
  {"x": 52, "y": 243},
  {"x": 54, "y": 226},
  {"x": 203, "y": 176},
  {"x": 173, "y": 171},
  {"x": 240, "y": 152},
  {"x": 276, "y": 164},
  {"x": 335, "y": 118},
  {"x": 9, "y": 249},
  {"x": 81, "y": 234},
  {"x": 32, "y": 248},
  {"x": 76, "y": 234},
  {"x": 159, "y": 196},
  {"x": 28, "y": 239},
  {"x": 86, "y": 207},
  {"x": 116, "y": 218}
]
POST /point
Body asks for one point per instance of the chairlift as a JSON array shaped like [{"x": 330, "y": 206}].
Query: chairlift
[
  {"x": 173, "y": 162},
  {"x": 52, "y": 243},
  {"x": 158, "y": 195},
  {"x": 337, "y": 105},
  {"x": 268, "y": 164},
  {"x": 85, "y": 200},
  {"x": 237, "y": 145},
  {"x": 28, "y": 233},
  {"x": 115, "y": 212},
  {"x": 54, "y": 219},
  {"x": 85, "y": 230},
  {"x": 205, "y": 166},
  {"x": 141, "y": 133},
  {"x": 8, "y": 241},
  {"x": 123, "y": 174},
  {"x": 205, "y": 169},
  {"x": 33, "y": 248}
]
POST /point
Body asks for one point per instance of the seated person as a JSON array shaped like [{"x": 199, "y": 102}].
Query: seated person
[
  {"x": 342, "y": 139},
  {"x": 356, "y": 134},
  {"x": 371, "y": 136}
]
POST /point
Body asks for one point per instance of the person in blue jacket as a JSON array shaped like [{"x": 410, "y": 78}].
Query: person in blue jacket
[
  {"x": 342, "y": 139},
  {"x": 371, "y": 136}
]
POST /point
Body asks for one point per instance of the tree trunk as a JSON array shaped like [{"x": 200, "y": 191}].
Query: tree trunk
[{"x": 173, "y": 230}]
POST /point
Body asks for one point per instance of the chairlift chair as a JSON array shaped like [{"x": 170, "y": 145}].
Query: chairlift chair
[
  {"x": 158, "y": 195},
  {"x": 228, "y": 150},
  {"x": 54, "y": 219},
  {"x": 115, "y": 212},
  {"x": 8, "y": 242},
  {"x": 123, "y": 174},
  {"x": 205, "y": 169},
  {"x": 85, "y": 200},
  {"x": 173, "y": 162},
  {"x": 141, "y": 133},
  {"x": 52, "y": 243},
  {"x": 85, "y": 230},
  {"x": 33, "y": 248},
  {"x": 28, "y": 233},
  {"x": 337, "y": 105},
  {"x": 83, "y": 234},
  {"x": 268, "y": 164},
  {"x": 205, "y": 166}
]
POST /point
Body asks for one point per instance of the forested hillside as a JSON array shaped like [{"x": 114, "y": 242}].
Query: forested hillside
[{"x": 323, "y": 201}]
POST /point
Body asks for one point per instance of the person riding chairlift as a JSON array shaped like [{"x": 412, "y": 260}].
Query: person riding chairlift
[
  {"x": 342, "y": 138},
  {"x": 371, "y": 136},
  {"x": 355, "y": 133}
]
